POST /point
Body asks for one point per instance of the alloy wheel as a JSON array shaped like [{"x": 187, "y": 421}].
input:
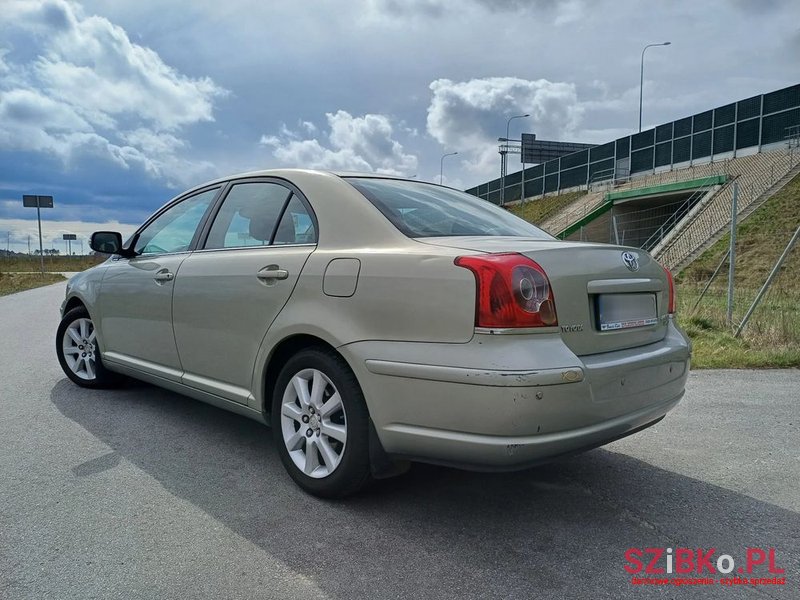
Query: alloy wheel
[
  {"x": 313, "y": 423},
  {"x": 79, "y": 346}
]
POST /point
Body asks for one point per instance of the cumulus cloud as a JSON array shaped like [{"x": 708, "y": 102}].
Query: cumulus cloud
[
  {"x": 3, "y": 66},
  {"x": 470, "y": 115},
  {"x": 364, "y": 143},
  {"x": 556, "y": 11},
  {"x": 76, "y": 85},
  {"x": 395, "y": 8},
  {"x": 759, "y": 6}
]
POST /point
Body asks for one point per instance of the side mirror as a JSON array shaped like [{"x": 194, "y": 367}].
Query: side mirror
[{"x": 107, "y": 242}]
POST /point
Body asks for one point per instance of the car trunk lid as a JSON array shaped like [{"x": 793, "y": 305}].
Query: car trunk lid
[{"x": 602, "y": 303}]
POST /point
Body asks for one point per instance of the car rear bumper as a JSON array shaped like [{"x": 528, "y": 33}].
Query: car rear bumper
[
  {"x": 491, "y": 418},
  {"x": 507, "y": 453}
]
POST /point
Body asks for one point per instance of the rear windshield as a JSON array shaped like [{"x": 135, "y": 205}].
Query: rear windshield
[{"x": 424, "y": 210}]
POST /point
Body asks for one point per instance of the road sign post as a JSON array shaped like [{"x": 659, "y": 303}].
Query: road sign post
[
  {"x": 39, "y": 202},
  {"x": 68, "y": 237}
]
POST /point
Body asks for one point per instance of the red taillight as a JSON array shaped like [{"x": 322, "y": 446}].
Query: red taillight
[
  {"x": 512, "y": 291},
  {"x": 671, "y": 281}
]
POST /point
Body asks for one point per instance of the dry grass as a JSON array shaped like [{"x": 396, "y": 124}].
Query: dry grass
[
  {"x": 539, "y": 210},
  {"x": 27, "y": 263},
  {"x": 769, "y": 340},
  {"x": 11, "y": 283}
]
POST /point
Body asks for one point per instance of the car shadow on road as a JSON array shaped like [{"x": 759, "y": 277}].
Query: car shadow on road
[{"x": 434, "y": 529}]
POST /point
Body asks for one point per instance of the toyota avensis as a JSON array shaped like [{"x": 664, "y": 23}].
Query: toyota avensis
[{"x": 374, "y": 321}]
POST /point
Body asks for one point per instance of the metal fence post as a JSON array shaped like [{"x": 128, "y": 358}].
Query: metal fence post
[{"x": 732, "y": 252}]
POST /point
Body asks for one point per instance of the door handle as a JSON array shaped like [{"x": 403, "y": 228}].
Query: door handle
[
  {"x": 162, "y": 276},
  {"x": 272, "y": 272}
]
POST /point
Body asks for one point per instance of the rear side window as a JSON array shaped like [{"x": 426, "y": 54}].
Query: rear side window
[
  {"x": 424, "y": 210},
  {"x": 248, "y": 215},
  {"x": 296, "y": 226}
]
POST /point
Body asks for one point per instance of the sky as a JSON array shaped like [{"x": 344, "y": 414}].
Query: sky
[{"x": 115, "y": 106}]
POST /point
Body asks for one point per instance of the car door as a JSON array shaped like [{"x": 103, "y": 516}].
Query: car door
[
  {"x": 136, "y": 294},
  {"x": 228, "y": 293}
]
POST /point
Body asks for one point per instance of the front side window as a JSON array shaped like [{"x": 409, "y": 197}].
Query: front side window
[
  {"x": 173, "y": 230},
  {"x": 248, "y": 215},
  {"x": 424, "y": 210}
]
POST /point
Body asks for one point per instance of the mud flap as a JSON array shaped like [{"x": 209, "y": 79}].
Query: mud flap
[{"x": 382, "y": 466}]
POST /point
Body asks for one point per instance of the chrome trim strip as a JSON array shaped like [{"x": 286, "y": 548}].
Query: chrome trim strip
[
  {"x": 148, "y": 256},
  {"x": 186, "y": 390},
  {"x": 515, "y": 330},
  {"x": 265, "y": 247},
  {"x": 144, "y": 366},
  {"x": 610, "y": 286},
  {"x": 217, "y": 388}
]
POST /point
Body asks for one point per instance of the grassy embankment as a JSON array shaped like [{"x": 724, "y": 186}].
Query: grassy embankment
[
  {"x": 772, "y": 336},
  {"x": 539, "y": 210}
]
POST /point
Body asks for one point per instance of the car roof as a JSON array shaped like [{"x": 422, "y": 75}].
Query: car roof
[
  {"x": 296, "y": 176},
  {"x": 289, "y": 171}
]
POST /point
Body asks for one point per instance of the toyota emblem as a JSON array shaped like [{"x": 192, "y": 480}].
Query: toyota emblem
[{"x": 630, "y": 260}]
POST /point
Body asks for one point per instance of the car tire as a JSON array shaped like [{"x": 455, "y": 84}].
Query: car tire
[
  {"x": 79, "y": 353},
  {"x": 323, "y": 442}
]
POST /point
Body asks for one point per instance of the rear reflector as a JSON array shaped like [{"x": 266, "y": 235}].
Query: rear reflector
[{"x": 512, "y": 291}]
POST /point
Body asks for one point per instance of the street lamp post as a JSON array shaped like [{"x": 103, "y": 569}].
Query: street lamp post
[
  {"x": 641, "y": 78},
  {"x": 503, "y": 159},
  {"x": 441, "y": 165}
]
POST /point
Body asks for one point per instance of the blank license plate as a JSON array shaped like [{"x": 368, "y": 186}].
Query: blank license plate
[{"x": 625, "y": 311}]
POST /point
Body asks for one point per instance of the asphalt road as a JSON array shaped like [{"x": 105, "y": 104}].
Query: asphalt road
[{"x": 141, "y": 493}]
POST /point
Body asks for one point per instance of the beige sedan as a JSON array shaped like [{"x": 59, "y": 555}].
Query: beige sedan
[{"x": 374, "y": 321}]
